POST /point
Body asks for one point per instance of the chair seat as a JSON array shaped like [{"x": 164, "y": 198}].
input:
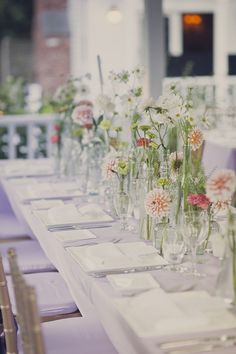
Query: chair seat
[
  {"x": 31, "y": 257},
  {"x": 53, "y": 295},
  {"x": 10, "y": 227},
  {"x": 76, "y": 336}
]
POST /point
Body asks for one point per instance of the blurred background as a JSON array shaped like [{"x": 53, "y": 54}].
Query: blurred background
[{"x": 44, "y": 42}]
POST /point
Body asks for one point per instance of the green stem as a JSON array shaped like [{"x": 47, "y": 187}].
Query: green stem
[{"x": 209, "y": 230}]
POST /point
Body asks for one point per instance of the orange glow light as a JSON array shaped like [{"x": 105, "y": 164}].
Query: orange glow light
[{"x": 192, "y": 20}]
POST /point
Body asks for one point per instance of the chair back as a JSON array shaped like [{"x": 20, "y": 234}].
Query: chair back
[
  {"x": 27, "y": 310},
  {"x": 9, "y": 325}
]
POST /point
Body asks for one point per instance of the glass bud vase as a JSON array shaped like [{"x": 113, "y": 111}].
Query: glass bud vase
[
  {"x": 160, "y": 230},
  {"x": 226, "y": 282},
  {"x": 186, "y": 170},
  {"x": 121, "y": 203}
]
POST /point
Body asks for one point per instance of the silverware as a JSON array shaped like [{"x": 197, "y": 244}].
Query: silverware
[
  {"x": 203, "y": 347},
  {"x": 103, "y": 274},
  {"x": 76, "y": 227},
  {"x": 195, "y": 341}
]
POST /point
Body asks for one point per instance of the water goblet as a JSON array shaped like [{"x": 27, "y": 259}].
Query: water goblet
[
  {"x": 194, "y": 226},
  {"x": 173, "y": 247}
]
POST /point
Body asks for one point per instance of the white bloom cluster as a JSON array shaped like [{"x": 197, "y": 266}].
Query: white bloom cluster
[{"x": 105, "y": 104}]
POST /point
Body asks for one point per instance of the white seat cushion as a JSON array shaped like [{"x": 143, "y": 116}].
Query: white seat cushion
[
  {"x": 31, "y": 258},
  {"x": 53, "y": 295},
  {"x": 10, "y": 227}
]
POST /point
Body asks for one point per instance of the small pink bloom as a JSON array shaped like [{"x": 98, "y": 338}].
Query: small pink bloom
[
  {"x": 144, "y": 142},
  {"x": 157, "y": 203},
  {"x": 54, "y": 139},
  {"x": 83, "y": 115},
  {"x": 109, "y": 167},
  {"x": 221, "y": 185},
  {"x": 195, "y": 139},
  {"x": 199, "y": 200},
  {"x": 57, "y": 127}
]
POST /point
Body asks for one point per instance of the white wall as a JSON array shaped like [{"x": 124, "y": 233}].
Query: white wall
[{"x": 119, "y": 45}]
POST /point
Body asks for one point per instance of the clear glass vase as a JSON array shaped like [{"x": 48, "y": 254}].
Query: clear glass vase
[
  {"x": 121, "y": 202},
  {"x": 160, "y": 231},
  {"x": 226, "y": 282}
]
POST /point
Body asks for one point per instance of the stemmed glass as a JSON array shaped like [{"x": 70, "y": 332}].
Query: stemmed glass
[
  {"x": 194, "y": 228},
  {"x": 173, "y": 246}
]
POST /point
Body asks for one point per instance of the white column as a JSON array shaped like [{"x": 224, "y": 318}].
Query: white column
[
  {"x": 221, "y": 50},
  {"x": 175, "y": 34},
  {"x": 155, "y": 38},
  {"x": 78, "y": 22},
  {"x": 221, "y": 38}
]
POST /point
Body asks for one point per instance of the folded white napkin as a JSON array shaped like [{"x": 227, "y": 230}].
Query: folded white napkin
[
  {"x": 48, "y": 190},
  {"x": 109, "y": 256},
  {"x": 45, "y": 204},
  {"x": 68, "y": 237},
  {"x": 69, "y": 214},
  {"x": 132, "y": 283},
  {"x": 162, "y": 314}
]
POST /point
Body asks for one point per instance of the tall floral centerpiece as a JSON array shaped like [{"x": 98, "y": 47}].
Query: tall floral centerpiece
[
  {"x": 116, "y": 169},
  {"x": 220, "y": 188},
  {"x": 63, "y": 102},
  {"x": 157, "y": 205}
]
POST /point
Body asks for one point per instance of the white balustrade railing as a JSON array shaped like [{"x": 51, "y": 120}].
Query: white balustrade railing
[
  {"x": 30, "y": 122},
  {"x": 214, "y": 90}
]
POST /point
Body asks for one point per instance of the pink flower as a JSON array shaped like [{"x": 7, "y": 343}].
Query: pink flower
[
  {"x": 109, "y": 166},
  {"x": 54, "y": 139},
  {"x": 221, "y": 185},
  {"x": 157, "y": 203},
  {"x": 57, "y": 127},
  {"x": 199, "y": 200},
  {"x": 144, "y": 142},
  {"x": 83, "y": 115},
  {"x": 221, "y": 205},
  {"x": 195, "y": 139}
]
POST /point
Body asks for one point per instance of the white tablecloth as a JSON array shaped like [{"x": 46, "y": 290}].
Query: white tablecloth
[{"x": 96, "y": 294}]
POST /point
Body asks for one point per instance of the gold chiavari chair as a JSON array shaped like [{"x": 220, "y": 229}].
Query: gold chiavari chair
[
  {"x": 77, "y": 333},
  {"x": 9, "y": 325}
]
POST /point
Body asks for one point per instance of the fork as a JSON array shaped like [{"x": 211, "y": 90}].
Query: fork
[{"x": 194, "y": 341}]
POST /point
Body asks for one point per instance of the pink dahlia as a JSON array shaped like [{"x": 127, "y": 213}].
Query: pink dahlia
[
  {"x": 195, "y": 138},
  {"x": 83, "y": 115},
  {"x": 221, "y": 185},
  {"x": 199, "y": 200},
  {"x": 157, "y": 203}
]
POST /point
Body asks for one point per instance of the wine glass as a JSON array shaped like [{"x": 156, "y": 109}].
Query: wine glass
[
  {"x": 173, "y": 246},
  {"x": 194, "y": 229}
]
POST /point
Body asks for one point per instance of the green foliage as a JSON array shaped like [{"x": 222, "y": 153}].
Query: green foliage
[{"x": 12, "y": 96}]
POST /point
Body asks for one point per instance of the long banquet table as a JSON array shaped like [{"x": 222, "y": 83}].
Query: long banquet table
[{"x": 96, "y": 295}]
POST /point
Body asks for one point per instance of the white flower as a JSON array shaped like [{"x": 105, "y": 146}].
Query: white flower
[
  {"x": 139, "y": 72},
  {"x": 157, "y": 203},
  {"x": 221, "y": 186},
  {"x": 171, "y": 107},
  {"x": 127, "y": 100},
  {"x": 105, "y": 104},
  {"x": 148, "y": 102}
]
